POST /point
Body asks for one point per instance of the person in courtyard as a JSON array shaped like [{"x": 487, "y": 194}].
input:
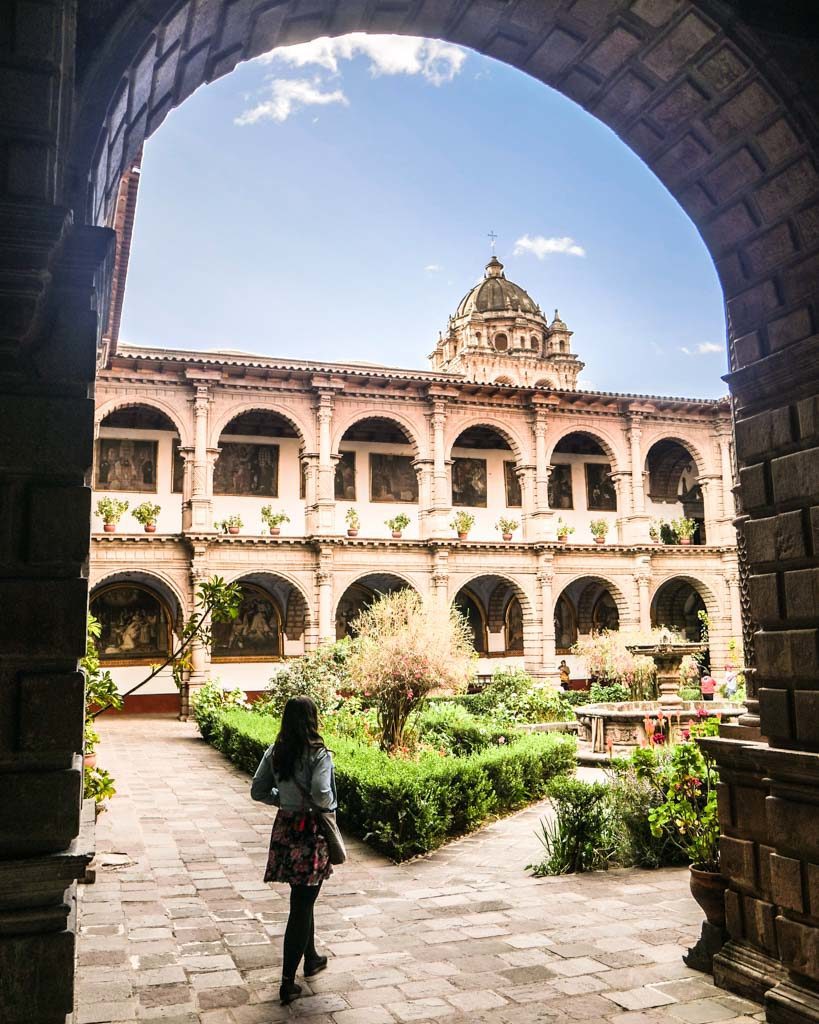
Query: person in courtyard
[
  {"x": 565, "y": 675},
  {"x": 296, "y": 775},
  {"x": 707, "y": 687}
]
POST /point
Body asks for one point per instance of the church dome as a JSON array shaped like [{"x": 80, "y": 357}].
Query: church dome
[{"x": 496, "y": 295}]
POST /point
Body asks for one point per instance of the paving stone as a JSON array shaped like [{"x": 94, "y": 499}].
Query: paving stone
[
  {"x": 364, "y": 1015},
  {"x": 702, "y": 1011},
  {"x": 639, "y": 998}
]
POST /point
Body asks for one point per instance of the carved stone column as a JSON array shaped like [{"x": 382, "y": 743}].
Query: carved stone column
[
  {"x": 623, "y": 490},
  {"x": 424, "y": 469},
  {"x": 200, "y": 653},
  {"x": 309, "y": 464},
  {"x": 715, "y": 527},
  {"x": 440, "y": 580},
  {"x": 324, "y": 586},
  {"x": 541, "y": 517},
  {"x": 441, "y": 494},
  {"x": 529, "y": 517},
  {"x": 197, "y": 510},
  {"x": 642, "y": 580},
  {"x": 326, "y": 503},
  {"x": 636, "y": 465},
  {"x": 545, "y": 579},
  {"x": 729, "y": 510}
]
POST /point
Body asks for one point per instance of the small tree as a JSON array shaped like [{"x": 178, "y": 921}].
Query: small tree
[{"x": 405, "y": 650}]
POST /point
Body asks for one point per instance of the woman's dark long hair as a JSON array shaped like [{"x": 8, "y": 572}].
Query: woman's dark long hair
[{"x": 297, "y": 736}]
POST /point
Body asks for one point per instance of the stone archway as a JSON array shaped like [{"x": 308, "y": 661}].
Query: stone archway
[
  {"x": 359, "y": 594},
  {"x": 720, "y": 104}
]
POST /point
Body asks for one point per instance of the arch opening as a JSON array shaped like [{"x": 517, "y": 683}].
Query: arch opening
[
  {"x": 581, "y": 474},
  {"x": 258, "y": 631},
  {"x": 377, "y": 458},
  {"x": 673, "y": 486},
  {"x": 360, "y": 594},
  {"x": 254, "y": 447},
  {"x": 679, "y": 604},
  {"x": 138, "y": 451},
  {"x": 137, "y": 613},
  {"x": 483, "y": 462},
  {"x": 495, "y": 609},
  {"x": 586, "y": 606}
]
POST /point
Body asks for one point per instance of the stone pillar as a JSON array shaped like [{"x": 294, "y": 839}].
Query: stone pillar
[
  {"x": 623, "y": 490},
  {"x": 734, "y": 611},
  {"x": 424, "y": 469},
  {"x": 642, "y": 579},
  {"x": 440, "y": 580},
  {"x": 441, "y": 493},
  {"x": 545, "y": 579},
  {"x": 636, "y": 465},
  {"x": 309, "y": 463},
  {"x": 324, "y": 587},
  {"x": 542, "y": 517},
  {"x": 715, "y": 527},
  {"x": 197, "y": 510},
  {"x": 727, "y": 473},
  {"x": 326, "y": 503},
  {"x": 529, "y": 516},
  {"x": 199, "y": 672}
]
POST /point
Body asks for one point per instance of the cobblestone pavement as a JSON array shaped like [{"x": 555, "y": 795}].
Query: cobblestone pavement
[{"x": 181, "y": 929}]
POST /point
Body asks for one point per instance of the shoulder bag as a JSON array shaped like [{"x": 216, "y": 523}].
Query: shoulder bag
[{"x": 328, "y": 825}]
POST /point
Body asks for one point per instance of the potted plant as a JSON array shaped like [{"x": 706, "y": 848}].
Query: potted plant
[
  {"x": 397, "y": 524},
  {"x": 507, "y": 527},
  {"x": 231, "y": 524},
  {"x": 146, "y": 514},
  {"x": 685, "y": 529},
  {"x": 353, "y": 520},
  {"x": 273, "y": 519},
  {"x": 563, "y": 531},
  {"x": 599, "y": 528},
  {"x": 462, "y": 523},
  {"x": 110, "y": 511},
  {"x": 655, "y": 528}
]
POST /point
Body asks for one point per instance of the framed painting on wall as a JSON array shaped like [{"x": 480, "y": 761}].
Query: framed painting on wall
[
  {"x": 247, "y": 469},
  {"x": 393, "y": 478},
  {"x": 600, "y": 492},
  {"x": 123, "y": 464},
  {"x": 514, "y": 498},
  {"x": 134, "y": 625},
  {"x": 469, "y": 482},
  {"x": 178, "y": 466},
  {"x": 560, "y": 486},
  {"x": 256, "y": 632},
  {"x": 345, "y": 477}
]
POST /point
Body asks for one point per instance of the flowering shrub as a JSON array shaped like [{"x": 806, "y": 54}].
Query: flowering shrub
[
  {"x": 513, "y": 696},
  {"x": 319, "y": 675},
  {"x": 210, "y": 701},
  {"x": 688, "y": 814},
  {"x": 404, "y": 650},
  {"x": 608, "y": 660}
]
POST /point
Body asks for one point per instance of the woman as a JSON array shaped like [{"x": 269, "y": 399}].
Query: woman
[{"x": 296, "y": 773}]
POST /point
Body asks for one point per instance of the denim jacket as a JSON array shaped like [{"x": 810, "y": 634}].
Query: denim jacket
[{"x": 314, "y": 770}]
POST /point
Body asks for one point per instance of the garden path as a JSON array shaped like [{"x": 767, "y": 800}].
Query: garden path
[{"x": 180, "y": 928}]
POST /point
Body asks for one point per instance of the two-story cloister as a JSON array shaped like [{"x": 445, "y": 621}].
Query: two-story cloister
[{"x": 496, "y": 429}]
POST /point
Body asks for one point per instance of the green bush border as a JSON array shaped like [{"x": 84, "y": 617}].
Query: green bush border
[{"x": 403, "y": 808}]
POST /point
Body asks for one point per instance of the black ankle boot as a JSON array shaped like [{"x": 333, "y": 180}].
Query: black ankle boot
[
  {"x": 288, "y": 991},
  {"x": 313, "y": 965}
]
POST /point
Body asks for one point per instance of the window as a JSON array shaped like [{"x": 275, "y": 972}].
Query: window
[{"x": 501, "y": 342}]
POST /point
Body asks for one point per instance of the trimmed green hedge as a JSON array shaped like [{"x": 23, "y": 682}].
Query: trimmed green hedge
[{"x": 404, "y": 808}]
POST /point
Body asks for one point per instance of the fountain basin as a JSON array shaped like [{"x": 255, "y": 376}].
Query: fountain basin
[{"x": 616, "y": 729}]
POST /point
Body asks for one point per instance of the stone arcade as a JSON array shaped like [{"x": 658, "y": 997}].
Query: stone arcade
[{"x": 718, "y": 97}]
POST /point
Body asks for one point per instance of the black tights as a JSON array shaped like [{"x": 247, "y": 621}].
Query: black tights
[{"x": 299, "y": 935}]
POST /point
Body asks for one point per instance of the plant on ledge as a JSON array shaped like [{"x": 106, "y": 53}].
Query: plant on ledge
[
  {"x": 146, "y": 514},
  {"x": 563, "y": 530},
  {"x": 462, "y": 523},
  {"x": 599, "y": 528},
  {"x": 685, "y": 529},
  {"x": 353, "y": 521},
  {"x": 397, "y": 524},
  {"x": 273, "y": 519},
  {"x": 655, "y": 530},
  {"x": 100, "y": 691},
  {"x": 110, "y": 511},
  {"x": 507, "y": 527},
  {"x": 230, "y": 524}
]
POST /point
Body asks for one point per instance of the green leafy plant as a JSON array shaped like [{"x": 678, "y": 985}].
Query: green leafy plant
[
  {"x": 581, "y": 837},
  {"x": 229, "y": 522},
  {"x": 98, "y": 786},
  {"x": 506, "y": 526},
  {"x": 513, "y": 696},
  {"x": 273, "y": 519},
  {"x": 688, "y": 814},
  {"x": 100, "y": 691},
  {"x": 398, "y": 523},
  {"x": 690, "y": 693},
  {"x": 111, "y": 510},
  {"x": 462, "y": 522},
  {"x": 404, "y": 650},
  {"x": 319, "y": 675},
  {"x": 352, "y": 519},
  {"x": 451, "y": 728},
  {"x": 608, "y": 693},
  {"x": 563, "y": 529},
  {"x": 655, "y": 528},
  {"x": 599, "y": 527},
  {"x": 211, "y": 701},
  {"x": 684, "y": 527},
  {"x": 146, "y": 513}
]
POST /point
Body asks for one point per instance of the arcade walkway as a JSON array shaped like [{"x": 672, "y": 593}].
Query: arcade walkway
[{"x": 180, "y": 928}]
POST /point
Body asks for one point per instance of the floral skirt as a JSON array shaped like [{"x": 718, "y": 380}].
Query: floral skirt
[{"x": 298, "y": 854}]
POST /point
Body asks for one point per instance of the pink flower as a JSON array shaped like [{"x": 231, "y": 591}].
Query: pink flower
[{"x": 686, "y": 734}]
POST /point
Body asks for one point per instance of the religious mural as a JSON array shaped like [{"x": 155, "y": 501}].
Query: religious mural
[
  {"x": 605, "y": 615},
  {"x": 255, "y": 634},
  {"x": 565, "y": 626},
  {"x": 178, "y": 466},
  {"x": 560, "y": 486},
  {"x": 392, "y": 478},
  {"x": 123, "y": 464},
  {"x": 134, "y": 625},
  {"x": 345, "y": 477},
  {"x": 469, "y": 482},
  {"x": 600, "y": 492},
  {"x": 514, "y": 627},
  {"x": 514, "y": 499},
  {"x": 248, "y": 469}
]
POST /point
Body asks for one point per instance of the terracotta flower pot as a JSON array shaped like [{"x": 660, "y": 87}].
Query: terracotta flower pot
[
  {"x": 462, "y": 535},
  {"x": 233, "y": 530},
  {"x": 599, "y": 540},
  {"x": 562, "y": 538},
  {"x": 685, "y": 540},
  {"x": 351, "y": 532},
  {"x": 274, "y": 531},
  {"x": 150, "y": 527},
  {"x": 708, "y": 889},
  {"x": 109, "y": 527},
  {"x": 396, "y": 534},
  {"x": 507, "y": 536},
  {"x": 89, "y": 761}
]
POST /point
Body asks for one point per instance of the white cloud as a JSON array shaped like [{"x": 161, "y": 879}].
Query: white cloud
[
  {"x": 541, "y": 247},
  {"x": 286, "y": 95},
  {"x": 433, "y": 268},
  {"x": 705, "y": 348},
  {"x": 436, "y": 61}
]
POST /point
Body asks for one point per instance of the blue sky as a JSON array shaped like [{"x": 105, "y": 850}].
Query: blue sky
[{"x": 333, "y": 201}]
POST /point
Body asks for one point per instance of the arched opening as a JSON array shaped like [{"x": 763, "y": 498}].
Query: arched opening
[
  {"x": 257, "y": 632},
  {"x": 586, "y": 606},
  {"x": 137, "y": 457},
  {"x": 360, "y": 594},
  {"x": 678, "y": 604},
  {"x": 377, "y": 464},
  {"x": 258, "y": 457},
  {"x": 136, "y": 621},
  {"x": 484, "y": 471},
  {"x": 545, "y": 382},
  {"x": 495, "y": 609},
  {"x": 581, "y": 476},
  {"x": 674, "y": 491},
  {"x": 501, "y": 342},
  {"x": 503, "y": 380}
]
